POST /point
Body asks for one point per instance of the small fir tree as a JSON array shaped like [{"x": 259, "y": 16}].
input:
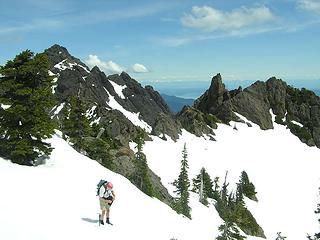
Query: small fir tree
[
  {"x": 182, "y": 185},
  {"x": 75, "y": 123},
  {"x": 247, "y": 187},
  {"x": 25, "y": 122},
  {"x": 141, "y": 177},
  {"x": 229, "y": 231},
  {"x": 207, "y": 191}
]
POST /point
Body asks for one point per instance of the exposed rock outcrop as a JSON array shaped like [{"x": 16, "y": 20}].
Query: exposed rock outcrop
[{"x": 256, "y": 101}]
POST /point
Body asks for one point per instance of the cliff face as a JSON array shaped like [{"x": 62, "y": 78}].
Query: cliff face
[
  {"x": 291, "y": 106},
  {"x": 102, "y": 93}
]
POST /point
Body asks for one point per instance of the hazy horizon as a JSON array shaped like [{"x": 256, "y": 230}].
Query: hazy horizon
[{"x": 194, "y": 89}]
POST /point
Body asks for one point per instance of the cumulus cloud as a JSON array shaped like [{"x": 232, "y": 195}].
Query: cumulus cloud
[
  {"x": 109, "y": 67},
  {"x": 210, "y": 19},
  {"x": 139, "y": 68},
  {"x": 309, "y": 5}
]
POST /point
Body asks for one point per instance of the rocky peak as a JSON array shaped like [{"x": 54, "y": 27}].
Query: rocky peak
[
  {"x": 214, "y": 96},
  {"x": 217, "y": 88},
  {"x": 298, "y": 109},
  {"x": 58, "y": 54}
]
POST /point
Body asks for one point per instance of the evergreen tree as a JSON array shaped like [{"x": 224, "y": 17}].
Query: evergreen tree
[
  {"x": 75, "y": 123},
  {"x": 141, "y": 177},
  {"x": 207, "y": 191},
  {"x": 229, "y": 231},
  {"x": 247, "y": 187},
  {"x": 98, "y": 149},
  {"x": 182, "y": 185},
  {"x": 25, "y": 122}
]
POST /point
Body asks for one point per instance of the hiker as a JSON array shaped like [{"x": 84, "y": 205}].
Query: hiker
[{"x": 106, "y": 198}]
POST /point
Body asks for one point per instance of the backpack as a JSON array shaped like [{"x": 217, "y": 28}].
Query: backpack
[{"x": 99, "y": 185}]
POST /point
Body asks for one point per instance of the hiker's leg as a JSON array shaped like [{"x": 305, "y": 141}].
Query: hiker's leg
[
  {"x": 102, "y": 214},
  {"x": 108, "y": 213}
]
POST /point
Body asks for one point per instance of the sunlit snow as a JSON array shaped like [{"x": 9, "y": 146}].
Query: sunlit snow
[{"x": 118, "y": 89}]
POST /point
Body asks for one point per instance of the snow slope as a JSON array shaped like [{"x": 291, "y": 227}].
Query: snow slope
[
  {"x": 284, "y": 171},
  {"x": 57, "y": 200}
]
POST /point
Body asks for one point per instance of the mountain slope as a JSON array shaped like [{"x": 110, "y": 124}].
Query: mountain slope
[
  {"x": 58, "y": 202},
  {"x": 59, "y": 199},
  {"x": 283, "y": 170},
  {"x": 111, "y": 97}
]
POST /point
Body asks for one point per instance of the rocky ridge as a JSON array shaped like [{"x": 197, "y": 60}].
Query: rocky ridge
[{"x": 298, "y": 109}]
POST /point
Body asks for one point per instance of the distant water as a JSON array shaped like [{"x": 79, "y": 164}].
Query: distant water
[
  {"x": 191, "y": 89},
  {"x": 194, "y": 89}
]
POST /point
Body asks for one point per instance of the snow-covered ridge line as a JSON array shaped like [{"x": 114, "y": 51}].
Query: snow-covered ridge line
[{"x": 63, "y": 65}]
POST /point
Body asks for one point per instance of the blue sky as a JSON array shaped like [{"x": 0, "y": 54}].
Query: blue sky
[{"x": 175, "y": 40}]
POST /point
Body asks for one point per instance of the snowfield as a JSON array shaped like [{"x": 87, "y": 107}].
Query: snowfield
[{"x": 58, "y": 200}]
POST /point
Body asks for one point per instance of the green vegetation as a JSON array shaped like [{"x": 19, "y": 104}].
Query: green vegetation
[
  {"x": 231, "y": 208},
  {"x": 26, "y": 89},
  {"x": 141, "y": 176},
  {"x": 75, "y": 124},
  {"x": 207, "y": 186},
  {"x": 182, "y": 185},
  {"x": 303, "y": 133}
]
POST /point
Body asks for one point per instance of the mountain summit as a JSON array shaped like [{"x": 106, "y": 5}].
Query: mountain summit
[{"x": 298, "y": 109}]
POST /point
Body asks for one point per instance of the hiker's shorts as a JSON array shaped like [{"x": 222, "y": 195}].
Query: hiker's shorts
[{"x": 103, "y": 204}]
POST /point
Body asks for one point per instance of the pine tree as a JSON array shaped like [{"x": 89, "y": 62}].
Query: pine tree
[
  {"x": 247, "y": 187},
  {"x": 207, "y": 186},
  {"x": 229, "y": 231},
  {"x": 141, "y": 177},
  {"x": 75, "y": 123},
  {"x": 26, "y": 91},
  {"x": 182, "y": 185}
]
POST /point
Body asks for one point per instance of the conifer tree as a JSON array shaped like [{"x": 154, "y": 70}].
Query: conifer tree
[
  {"x": 207, "y": 186},
  {"x": 229, "y": 231},
  {"x": 25, "y": 122},
  {"x": 247, "y": 187},
  {"x": 75, "y": 123},
  {"x": 142, "y": 178},
  {"x": 182, "y": 185}
]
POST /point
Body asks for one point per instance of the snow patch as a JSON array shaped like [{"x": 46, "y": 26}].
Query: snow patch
[
  {"x": 133, "y": 117},
  {"x": 297, "y": 123},
  {"x": 4, "y": 106},
  {"x": 63, "y": 65},
  {"x": 57, "y": 109},
  {"x": 118, "y": 89}
]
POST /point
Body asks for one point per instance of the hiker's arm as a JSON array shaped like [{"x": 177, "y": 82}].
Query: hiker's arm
[{"x": 114, "y": 196}]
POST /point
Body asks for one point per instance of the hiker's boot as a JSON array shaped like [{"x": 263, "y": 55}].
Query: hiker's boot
[
  {"x": 101, "y": 222},
  {"x": 108, "y": 221}
]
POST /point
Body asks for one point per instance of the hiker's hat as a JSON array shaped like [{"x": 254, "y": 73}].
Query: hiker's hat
[{"x": 109, "y": 185}]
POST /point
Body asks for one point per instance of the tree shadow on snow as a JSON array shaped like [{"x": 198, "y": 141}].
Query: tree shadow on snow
[{"x": 90, "y": 220}]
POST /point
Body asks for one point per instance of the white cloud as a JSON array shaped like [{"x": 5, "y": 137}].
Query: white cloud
[
  {"x": 139, "y": 68},
  {"x": 210, "y": 19},
  {"x": 109, "y": 67},
  {"x": 309, "y": 5}
]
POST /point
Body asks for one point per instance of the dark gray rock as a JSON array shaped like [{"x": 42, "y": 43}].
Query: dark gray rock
[
  {"x": 197, "y": 122},
  {"x": 255, "y": 102},
  {"x": 166, "y": 125}
]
